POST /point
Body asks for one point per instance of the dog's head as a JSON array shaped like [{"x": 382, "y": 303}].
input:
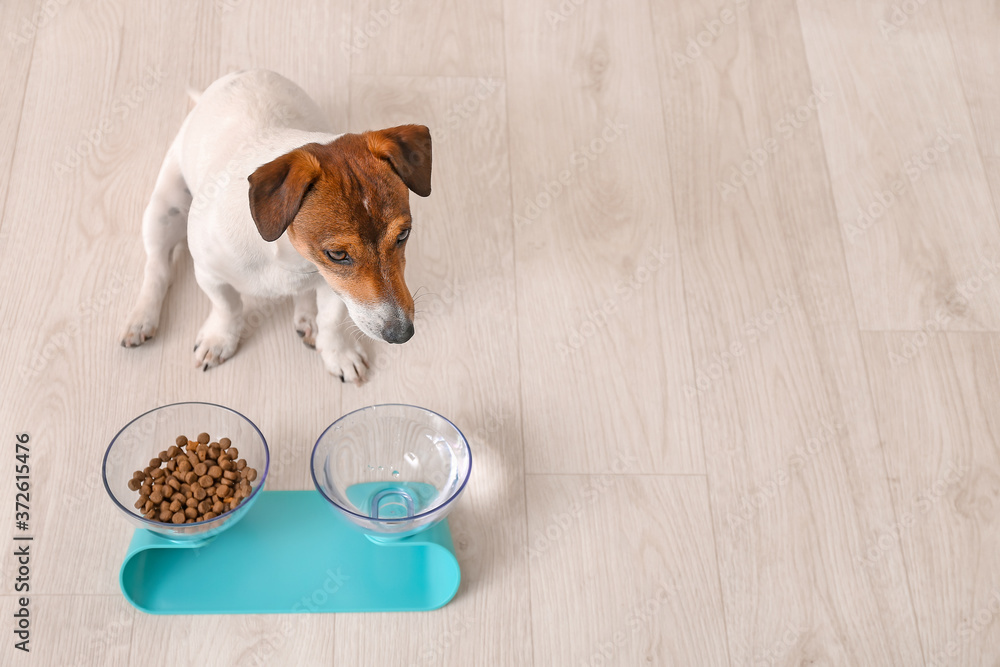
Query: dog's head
[{"x": 345, "y": 207}]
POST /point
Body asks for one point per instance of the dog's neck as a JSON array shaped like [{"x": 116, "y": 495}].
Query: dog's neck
[{"x": 289, "y": 259}]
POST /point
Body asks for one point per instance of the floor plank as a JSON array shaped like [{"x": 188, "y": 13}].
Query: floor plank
[
  {"x": 787, "y": 420},
  {"x": 935, "y": 396},
  {"x": 651, "y": 596},
  {"x": 21, "y": 26},
  {"x": 912, "y": 198},
  {"x": 605, "y": 356},
  {"x": 402, "y": 37},
  {"x": 101, "y": 630}
]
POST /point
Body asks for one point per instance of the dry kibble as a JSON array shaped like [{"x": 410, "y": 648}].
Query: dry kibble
[{"x": 192, "y": 480}]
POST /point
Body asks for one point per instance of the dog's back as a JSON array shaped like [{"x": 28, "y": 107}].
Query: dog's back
[{"x": 234, "y": 117}]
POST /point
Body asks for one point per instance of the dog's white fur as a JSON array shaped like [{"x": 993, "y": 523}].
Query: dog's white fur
[{"x": 241, "y": 121}]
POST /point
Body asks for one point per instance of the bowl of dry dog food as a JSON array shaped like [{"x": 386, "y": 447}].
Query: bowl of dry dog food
[{"x": 186, "y": 471}]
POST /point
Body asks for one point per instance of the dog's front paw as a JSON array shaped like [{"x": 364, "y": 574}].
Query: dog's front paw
[
  {"x": 305, "y": 327},
  {"x": 215, "y": 345},
  {"x": 139, "y": 328},
  {"x": 346, "y": 361}
]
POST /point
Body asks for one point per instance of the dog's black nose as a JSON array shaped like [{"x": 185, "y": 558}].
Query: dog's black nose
[{"x": 398, "y": 331}]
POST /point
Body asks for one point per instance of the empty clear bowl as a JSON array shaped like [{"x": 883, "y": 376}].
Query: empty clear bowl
[
  {"x": 149, "y": 434},
  {"x": 392, "y": 470}
]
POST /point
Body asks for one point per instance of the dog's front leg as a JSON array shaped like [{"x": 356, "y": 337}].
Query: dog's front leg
[
  {"x": 342, "y": 353},
  {"x": 220, "y": 335}
]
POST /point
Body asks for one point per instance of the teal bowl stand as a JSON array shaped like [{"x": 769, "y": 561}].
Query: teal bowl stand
[{"x": 290, "y": 553}]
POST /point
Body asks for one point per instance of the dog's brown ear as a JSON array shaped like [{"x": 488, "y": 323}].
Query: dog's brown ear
[
  {"x": 408, "y": 150},
  {"x": 278, "y": 188}
]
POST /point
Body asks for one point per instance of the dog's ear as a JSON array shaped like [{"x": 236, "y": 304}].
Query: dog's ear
[
  {"x": 408, "y": 150},
  {"x": 278, "y": 188}
]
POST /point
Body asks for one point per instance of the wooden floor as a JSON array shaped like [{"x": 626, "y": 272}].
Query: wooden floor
[{"x": 710, "y": 285}]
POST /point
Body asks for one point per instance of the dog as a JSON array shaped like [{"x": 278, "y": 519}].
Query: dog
[{"x": 273, "y": 204}]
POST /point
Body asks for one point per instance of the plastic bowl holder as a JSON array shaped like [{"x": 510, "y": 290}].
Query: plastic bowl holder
[{"x": 291, "y": 553}]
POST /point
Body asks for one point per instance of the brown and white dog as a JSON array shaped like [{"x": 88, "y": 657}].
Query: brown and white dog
[{"x": 273, "y": 204}]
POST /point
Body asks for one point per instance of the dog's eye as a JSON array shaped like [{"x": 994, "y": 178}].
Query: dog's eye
[
  {"x": 403, "y": 235},
  {"x": 338, "y": 256}
]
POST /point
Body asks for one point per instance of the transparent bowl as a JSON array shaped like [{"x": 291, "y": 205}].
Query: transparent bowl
[
  {"x": 147, "y": 435},
  {"x": 391, "y": 470}
]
